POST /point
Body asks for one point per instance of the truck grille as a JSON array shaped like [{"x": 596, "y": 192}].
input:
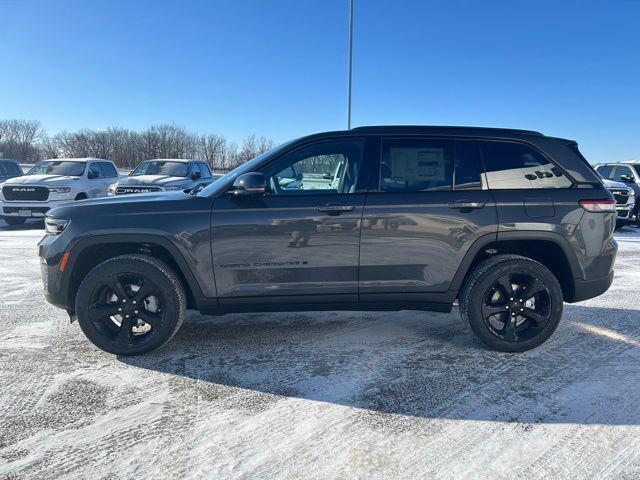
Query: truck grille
[
  {"x": 14, "y": 193},
  {"x": 621, "y": 196},
  {"x": 127, "y": 190}
]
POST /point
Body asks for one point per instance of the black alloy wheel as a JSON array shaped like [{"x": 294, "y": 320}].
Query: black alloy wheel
[
  {"x": 131, "y": 304},
  {"x": 516, "y": 307}
]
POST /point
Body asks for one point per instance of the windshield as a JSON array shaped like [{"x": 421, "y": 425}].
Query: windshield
[
  {"x": 162, "y": 167},
  {"x": 244, "y": 168},
  {"x": 58, "y": 167}
]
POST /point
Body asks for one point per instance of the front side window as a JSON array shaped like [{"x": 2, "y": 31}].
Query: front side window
[
  {"x": 326, "y": 168},
  {"x": 162, "y": 167},
  {"x": 416, "y": 165},
  {"x": 512, "y": 165},
  {"x": 58, "y": 167}
]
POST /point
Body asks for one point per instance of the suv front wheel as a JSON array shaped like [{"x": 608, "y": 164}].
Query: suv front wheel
[
  {"x": 131, "y": 304},
  {"x": 512, "y": 303}
]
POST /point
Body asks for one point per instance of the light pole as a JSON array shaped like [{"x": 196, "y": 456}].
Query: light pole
[{"x": 350, "y": 62}]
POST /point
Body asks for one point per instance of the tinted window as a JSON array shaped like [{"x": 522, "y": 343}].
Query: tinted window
[
  {"x": 325, "y": 167},
  {"x": 162, "y": 167},
  {"x": 515, "y": 165},
  {"x": 637, "y": 169},
  {"x": 9, "y": 169},
  {"x": 58, "y": 167},
  {"x": 604, "y": 170},
  {"x": 204, "y": 170},
  {"x": 107, "y": 170},
  {"x": 416, "y": 165},
  {"x": 619, "y": 172},
  {"x": 468, "y": 170}
]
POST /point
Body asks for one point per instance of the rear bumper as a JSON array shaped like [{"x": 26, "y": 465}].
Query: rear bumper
[{"x": 586, "y": 289}]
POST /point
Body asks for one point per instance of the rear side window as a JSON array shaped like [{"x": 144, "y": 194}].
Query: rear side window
[
  {"x": 468, "y": 170},
  {"x": 107, "y": 170},
  {"x": 416, "y": 165},
  {"x": 512, "y": 165},
  {"x": 604, "y": 170},
  {"x": 9, "y": 169},
  {"x": 204, "y": 170}
]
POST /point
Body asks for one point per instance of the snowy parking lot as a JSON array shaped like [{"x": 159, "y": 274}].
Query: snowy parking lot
[{"x": 318, "y": 395}]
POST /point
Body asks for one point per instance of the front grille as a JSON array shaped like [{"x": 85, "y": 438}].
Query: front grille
[
  {"x": 128, "y": 190},
  {"x": 14, "y": 193},
  {"x": 621, "y": 196},
  {"x": 42, "y": 210}
]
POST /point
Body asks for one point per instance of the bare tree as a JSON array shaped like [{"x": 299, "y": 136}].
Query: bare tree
[{"x": 25, "y": 140}]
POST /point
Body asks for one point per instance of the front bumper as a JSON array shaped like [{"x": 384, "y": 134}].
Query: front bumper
[
  {"x": 29, "y": 209},
  {"x": 586, "y": 289},
  {"x": 624, "y": 212},
  {"x": 51, "y": 250}
]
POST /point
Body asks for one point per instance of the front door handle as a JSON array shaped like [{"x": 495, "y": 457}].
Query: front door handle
[
  {"x": 466, "y": 205},
  {"x": 336, "y": 209}
]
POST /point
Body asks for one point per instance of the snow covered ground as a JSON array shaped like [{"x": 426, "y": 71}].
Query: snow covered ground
[{"x": 318, "y": 395}]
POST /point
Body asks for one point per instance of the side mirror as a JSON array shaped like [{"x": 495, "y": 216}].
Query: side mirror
[
  {"x": 252, "y": 183},
  {"x": 195, "y": 176}
]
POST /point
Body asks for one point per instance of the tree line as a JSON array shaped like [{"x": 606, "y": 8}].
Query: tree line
[{"x": 28, "y": 142}]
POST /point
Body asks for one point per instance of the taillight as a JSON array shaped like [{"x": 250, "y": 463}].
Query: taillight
[{"x": 599, "y": 205}]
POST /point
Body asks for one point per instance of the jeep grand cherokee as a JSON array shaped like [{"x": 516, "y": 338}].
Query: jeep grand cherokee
[{"x": 511, "y": 223}]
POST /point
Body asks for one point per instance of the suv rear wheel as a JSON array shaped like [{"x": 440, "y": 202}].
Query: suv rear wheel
[
  {"x": 130, "y": 304},
  {"x": 512, "y": 303}
]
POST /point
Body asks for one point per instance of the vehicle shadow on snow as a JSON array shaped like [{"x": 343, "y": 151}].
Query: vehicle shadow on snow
[{"x": 414, "y": 363}]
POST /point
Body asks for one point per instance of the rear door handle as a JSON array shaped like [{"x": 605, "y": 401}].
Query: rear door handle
[
  {"x": 336, "y": 209},
  {"x": 466, "y": 205}
]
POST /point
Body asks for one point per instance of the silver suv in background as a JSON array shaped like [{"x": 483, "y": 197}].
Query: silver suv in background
[
  {"x": 628, "y": 173},
  {"x": 51, "y": 183},
  {"x": 9, "y": 169},
  {"x": 161, "y": 175}
]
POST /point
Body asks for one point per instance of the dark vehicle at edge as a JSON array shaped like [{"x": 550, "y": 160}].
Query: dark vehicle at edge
[{"x": 511, "y": 223}]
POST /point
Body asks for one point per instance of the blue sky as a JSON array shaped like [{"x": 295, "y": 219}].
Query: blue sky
[{"x": 278, "y": 67}]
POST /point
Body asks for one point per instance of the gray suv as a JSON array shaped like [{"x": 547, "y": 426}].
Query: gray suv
[
  {"x": 164, "y": 175},
  {"x": 510, "y": 223},
  {"x": 629, "y": 174}
]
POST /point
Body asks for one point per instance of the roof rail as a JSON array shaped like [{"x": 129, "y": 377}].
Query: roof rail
[{"x": 448, "y": 127}]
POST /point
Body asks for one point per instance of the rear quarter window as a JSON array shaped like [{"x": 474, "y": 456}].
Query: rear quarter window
[{"x": 513, "y": 165}]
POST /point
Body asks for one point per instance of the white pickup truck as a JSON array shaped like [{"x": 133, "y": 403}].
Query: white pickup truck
[{"x": 54, "y": 182}]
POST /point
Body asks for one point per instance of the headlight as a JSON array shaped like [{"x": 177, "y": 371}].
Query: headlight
[
  {"x": 59, "y": 189},
  {"x": 112, "y": 189},
  {"x": 55, "y": 226}
]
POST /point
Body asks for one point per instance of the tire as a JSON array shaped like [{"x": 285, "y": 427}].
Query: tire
[
  {"x": 14, "y": 220},
  {"x": 117, "y": 288},
  {"x": 81, "y": 196},
  {"x": 485, "y": 291}
]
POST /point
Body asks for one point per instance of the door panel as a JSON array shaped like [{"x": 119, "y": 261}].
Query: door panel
[
  {"x": 431, "y": 205},
  {"x": 414, "y": 242},
  {"x": 284, "y": 245},
  {"x": 300, "y": 242}
]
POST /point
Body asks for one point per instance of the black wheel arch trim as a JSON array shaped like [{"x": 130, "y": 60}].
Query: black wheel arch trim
[
  {"x": 490, "y": 238},
  {"x": 145, "y": 238}
]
